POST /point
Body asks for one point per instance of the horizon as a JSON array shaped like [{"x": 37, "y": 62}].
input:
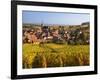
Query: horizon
[{"x": 53, "y": 24}]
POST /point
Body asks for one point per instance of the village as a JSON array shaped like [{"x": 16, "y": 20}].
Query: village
[{"x": 70, "y": 34}]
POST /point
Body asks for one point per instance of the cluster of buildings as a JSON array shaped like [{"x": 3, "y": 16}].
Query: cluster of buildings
[{"x": 37, "y": 33}]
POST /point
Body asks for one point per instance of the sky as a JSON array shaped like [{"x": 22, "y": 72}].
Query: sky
[{"x": 62, "y": 18}]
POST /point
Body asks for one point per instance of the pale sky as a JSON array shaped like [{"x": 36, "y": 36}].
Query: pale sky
[{"x": 54, "y": 17}]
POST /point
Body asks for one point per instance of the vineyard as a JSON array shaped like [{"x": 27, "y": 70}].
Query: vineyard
[{"x": 54, "y": 55}]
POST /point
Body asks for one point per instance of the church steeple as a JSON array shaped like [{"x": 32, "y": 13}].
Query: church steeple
[{"x": 42, "y": 24}]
